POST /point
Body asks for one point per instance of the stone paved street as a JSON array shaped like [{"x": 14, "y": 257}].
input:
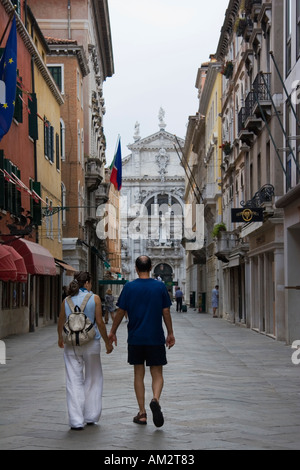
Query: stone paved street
[{"x": 226, "y": 387}]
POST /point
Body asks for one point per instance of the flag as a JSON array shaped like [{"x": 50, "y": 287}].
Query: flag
[
  {"x": 8, "y": 77},
  {"x": 116, "y": 168}
]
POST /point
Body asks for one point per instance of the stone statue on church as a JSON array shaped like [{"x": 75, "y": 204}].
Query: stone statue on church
[{"x": 161, "y": 117}]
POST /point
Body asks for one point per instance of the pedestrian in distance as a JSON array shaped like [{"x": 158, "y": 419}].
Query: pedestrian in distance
[
  {"x": 147, "y": 303},
  {"x": 179, "y": 299},
  {"x": 84, "y": 378},
  {"x": 109, "y": 304},
  {"x": 215, "y": 300}
]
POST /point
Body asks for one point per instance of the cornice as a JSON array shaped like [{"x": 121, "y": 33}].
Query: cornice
[
  {"x": 103, "y": 32},
  {"x": 168, "y": 179},
  {"x": 227, "y": 28},
  {"x": 143, "y": 144}
]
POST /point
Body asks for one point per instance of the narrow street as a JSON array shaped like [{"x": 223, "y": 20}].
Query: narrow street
[{"x": 226, "y": 387}]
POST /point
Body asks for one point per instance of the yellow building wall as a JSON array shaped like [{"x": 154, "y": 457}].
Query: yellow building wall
[
  {"x": 50, "y": 233},
  {"x": 214, "y": 134}
]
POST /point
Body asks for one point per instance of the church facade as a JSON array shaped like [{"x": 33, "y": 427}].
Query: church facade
[{"x": 152, "y": 205}]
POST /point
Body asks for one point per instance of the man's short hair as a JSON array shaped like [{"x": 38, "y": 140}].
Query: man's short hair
[{"x": 143, "y": 264}]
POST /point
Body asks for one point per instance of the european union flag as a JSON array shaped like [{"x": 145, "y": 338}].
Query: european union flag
[{"x": 8, "y": 83}]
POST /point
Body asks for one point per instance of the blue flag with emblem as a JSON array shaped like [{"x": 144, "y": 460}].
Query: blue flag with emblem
[{"x": 8, "y": 81}]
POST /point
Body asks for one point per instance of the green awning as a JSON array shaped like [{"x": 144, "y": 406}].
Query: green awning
[{"x": 106, "y": 282}]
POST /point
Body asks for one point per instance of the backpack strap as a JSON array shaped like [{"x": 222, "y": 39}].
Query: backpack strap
[
  {"x": 85, "y": 301},
  {"x": 70, "y": 303}
]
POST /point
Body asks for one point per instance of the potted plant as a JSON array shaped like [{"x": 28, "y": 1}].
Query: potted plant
[
  {"x": 241, "y": 26},
  {"x": 228, "y": 69},
  {"x": 226, "y": 147},
  {"x": 221, "y": 227}
]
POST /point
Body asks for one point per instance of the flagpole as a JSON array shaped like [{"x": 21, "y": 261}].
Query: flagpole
[{"x": 8, "y": 23}]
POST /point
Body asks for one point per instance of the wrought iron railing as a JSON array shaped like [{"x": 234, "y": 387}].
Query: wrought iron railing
[
  {"x": 260, "y": 92},
  {"x": 264, "y": 194}
]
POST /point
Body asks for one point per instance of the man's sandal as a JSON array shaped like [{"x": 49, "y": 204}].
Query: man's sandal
[
  {"x": 158, "y": 418},
  {"x": 138, "y": 418}
]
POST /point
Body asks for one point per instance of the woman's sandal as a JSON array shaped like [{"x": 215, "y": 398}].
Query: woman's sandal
[{"x": 138, "y": 418}]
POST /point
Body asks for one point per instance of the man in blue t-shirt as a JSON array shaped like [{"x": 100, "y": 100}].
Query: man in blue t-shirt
[{"x": 147, "y": 304}]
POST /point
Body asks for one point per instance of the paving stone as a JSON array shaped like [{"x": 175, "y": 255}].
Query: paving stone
[{"x": 226, "y": 388}]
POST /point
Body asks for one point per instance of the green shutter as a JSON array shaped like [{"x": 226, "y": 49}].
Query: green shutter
[
  {"x": 18, "y": 114},
  {"x": 36, "y": 207},
  {"x": 32, "y": 117}
]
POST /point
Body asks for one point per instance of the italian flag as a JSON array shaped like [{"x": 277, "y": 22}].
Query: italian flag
[{"x": 116, "y": 168}]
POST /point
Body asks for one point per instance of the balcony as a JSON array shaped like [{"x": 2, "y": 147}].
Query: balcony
[
  {"x": 93, "y": 176},
  {"x": 257, "y": 108},
  {"x": 225, "y": 244},
  {"x": 211, "y": 193}
]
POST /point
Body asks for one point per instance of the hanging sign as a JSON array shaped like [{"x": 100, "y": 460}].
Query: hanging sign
[{"x": 247, "y": 215}]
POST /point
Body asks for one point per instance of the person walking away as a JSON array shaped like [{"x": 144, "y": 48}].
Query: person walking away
[
  {"x": 179, "y": 299},
  {"x": 147, "y": 303},
  {"x": 109, "y": 303},
  {"x": 215, "y": 300},
  {"x": 84, "y": 378}
]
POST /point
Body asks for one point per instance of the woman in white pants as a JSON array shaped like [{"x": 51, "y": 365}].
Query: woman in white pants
[{"x": 84, "y": 379}]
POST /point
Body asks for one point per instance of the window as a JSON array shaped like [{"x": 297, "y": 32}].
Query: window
[
  {"x": 78, "y": 85},
  {"x": 57, "y": 156},
  {"x": 10, "y": 196},
  {"x": 298, "y": 28},
  {"x": 289, "y": 127},
  {"x": 63, "y": 203},
  {"x": 78, "y": 142},
  {"x": 32, "y": 117},
  {"x": 298, "y": 145},
  {"x": 48, "y": 140},
  {"x": 16, "y": 3},
  {"x": 62, "y": 140},
  {"x": 57, "y": 72},
  {"x": 51, "y": 220},
  {"x": 18, "y": 113},
  {"x": 289, "y": 4},
  {"x": 47, "y": 220}
]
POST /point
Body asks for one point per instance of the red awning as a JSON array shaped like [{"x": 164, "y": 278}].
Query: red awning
[
  {"x": 8, "y": 270},
  {"x": 22, "y": 275},
  {"x": 38, "y": 260}
]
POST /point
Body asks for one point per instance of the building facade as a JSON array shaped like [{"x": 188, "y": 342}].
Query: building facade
[
  {"x": 30, "y": 181},
  {"x": 152, "y": 205},
  {"x": 290, "y": 201},
  {"x": 257, "y": 167},
  {"x": 88, "y": 24}
]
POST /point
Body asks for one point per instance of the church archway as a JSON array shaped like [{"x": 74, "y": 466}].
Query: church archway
[{"x": 165, "y": 271}]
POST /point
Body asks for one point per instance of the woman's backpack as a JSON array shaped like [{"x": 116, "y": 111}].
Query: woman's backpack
[{"x": 78, "y": 329}]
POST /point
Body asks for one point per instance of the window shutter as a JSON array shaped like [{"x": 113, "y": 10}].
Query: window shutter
[
  {"x": 32, "y": 118},
  {"x": 18, "y": 114},
  {"x": 36, "y": 207}
]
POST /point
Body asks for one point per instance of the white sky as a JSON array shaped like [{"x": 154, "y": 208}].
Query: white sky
[{"x": 158, "y": 46}]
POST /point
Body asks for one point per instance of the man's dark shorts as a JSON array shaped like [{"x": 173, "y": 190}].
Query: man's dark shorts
[{"x": 153, "y": 355}]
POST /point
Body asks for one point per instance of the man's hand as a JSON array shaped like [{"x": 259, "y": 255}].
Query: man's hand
[
  {"x": 61, "y": 343},
  {"x": 109, "y": 347},
  {"x": 170, "y": 341}
]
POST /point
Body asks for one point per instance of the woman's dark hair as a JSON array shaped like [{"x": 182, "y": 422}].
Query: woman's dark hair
[
  {"x": 143, "y": 264},
  {"x": 79, "y": 280}
]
